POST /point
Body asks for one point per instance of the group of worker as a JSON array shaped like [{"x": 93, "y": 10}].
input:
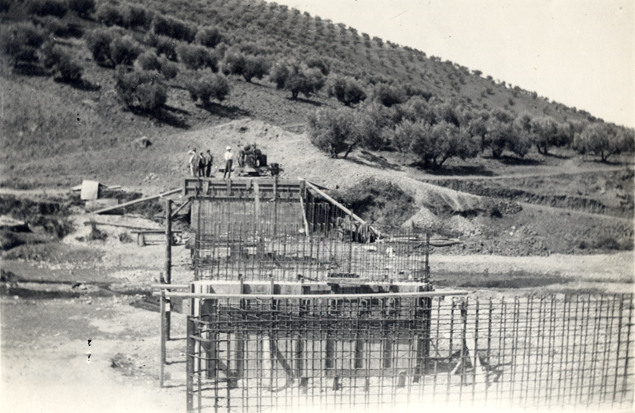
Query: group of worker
[{"x": 201, "y": 164}]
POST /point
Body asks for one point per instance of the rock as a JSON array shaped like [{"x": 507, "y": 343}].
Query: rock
[{"x": 142, "y": 142}]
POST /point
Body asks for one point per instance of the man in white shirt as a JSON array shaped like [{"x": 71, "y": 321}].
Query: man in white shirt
[
  {"x": 193, "y": 163},
  {"x": 229, "y": 156}
]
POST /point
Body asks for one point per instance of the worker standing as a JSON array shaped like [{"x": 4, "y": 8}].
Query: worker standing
[
  {"x": 209, "y": 160},
  {"x": 229, "y": 156},
  {"x": 193, "y": 163},
  {"x": 201, "y": 165}
]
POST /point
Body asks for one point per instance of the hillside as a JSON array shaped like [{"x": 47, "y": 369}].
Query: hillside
[
  {"x": 44, "y": 115},
  {"x": 59, "y": 129}
]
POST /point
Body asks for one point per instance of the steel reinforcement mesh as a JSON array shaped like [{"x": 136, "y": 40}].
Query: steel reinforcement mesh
[
  {"x": 408, "y": 351},
  {"x": 286, "y": 253}
]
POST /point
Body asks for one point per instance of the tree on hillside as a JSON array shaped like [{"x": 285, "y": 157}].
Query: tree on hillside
[
  {"x": 98, "y": 42},
  {"x": 374, "y": 126},
  {"x": 61, "y": 62},
  {"x": 249, "y": 67},
  {"x": 388, "y": 95},
  {"x": 297, "y": 79},
  {"x": 333, "y": 131},
  {"x": 19, "y": 43},
  {"x": 601, "y": 139},
  {"x": 208, "y": 86},
  {"x": 141, "y": 89},
  {"x": 547, "y": 133},
  {"x": 504, "y": 136},
  {"x": 345, "y": 89},
  {"x": 318, "y": 63},
  {"x": 196, "y": 57},
  {"x": 83, "y": 8},
  {"x": 209, "y": 37},
  {"x": 124, "y": 50},
  {"x": 436, "y": 144}
]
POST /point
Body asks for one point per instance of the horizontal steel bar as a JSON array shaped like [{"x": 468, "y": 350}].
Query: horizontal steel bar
[
  {"x": 171, "y": 286},
  {"x": 309, "y": 296}
]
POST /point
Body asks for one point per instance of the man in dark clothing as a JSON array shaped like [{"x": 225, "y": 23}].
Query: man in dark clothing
[
  {"x": 209, "y": 160},
  {"x": 201, "y": 165}
]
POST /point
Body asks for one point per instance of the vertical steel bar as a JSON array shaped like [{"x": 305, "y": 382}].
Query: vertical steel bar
[
  {"x": 162, "y": 334},
  {"x": 189, "y": 379}
]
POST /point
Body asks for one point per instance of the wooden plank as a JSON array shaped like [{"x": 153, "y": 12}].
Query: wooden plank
[
  {"x": 306, "y": 223},
  {"x": 137, "y": 201},
  {"x": 342, "y": 207},
  {"x": 98, "y": 204},
  {"x": 257, "y": 201},
  {"x": 180, "y": 208}
]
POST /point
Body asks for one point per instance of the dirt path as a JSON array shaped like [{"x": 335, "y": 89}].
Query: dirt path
[{"x": 549, "y": 171}]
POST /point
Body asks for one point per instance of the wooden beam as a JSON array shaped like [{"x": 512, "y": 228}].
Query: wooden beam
[
  {"x": 180, "y": 208},
  {"x": 87, "y": 223},
  {"x": 342, "y": 207},
  {"x": 137, "y": 201},
  {"x": 306, "y": 223}
]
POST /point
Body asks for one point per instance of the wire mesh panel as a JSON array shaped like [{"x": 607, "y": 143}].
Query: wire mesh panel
[
  {"x": 410, "y": 350},
  {"x": 284, "y": 252}
]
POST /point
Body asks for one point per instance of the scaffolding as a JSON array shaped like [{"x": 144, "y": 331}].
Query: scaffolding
[
  {"x": 286, "y": 230},
  {"x": 296, "y": 302}
]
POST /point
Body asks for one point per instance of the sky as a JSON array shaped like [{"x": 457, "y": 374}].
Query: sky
[{"x": 577, "y": 52}]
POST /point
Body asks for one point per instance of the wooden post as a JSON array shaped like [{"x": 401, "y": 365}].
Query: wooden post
[
  {"x": 168, "y": 241},
  {"x": 162, "y": 334},
  {"x": 168, "y": 260},
  {"x": 306, "y": 223}
]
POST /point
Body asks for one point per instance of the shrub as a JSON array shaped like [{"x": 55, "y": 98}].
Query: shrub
[
  {"x": 174, "y": 28},
  {"x": 279, "y": 74},
  {"x": 98, "y": 42},
  {"x": 140, "y": 89},
  {"x": 209, "y": 37},
  {"x": 333, "y": 131},
  {"x": 167, "y": 47},
  {"x": 345, "y": 89},
  {"x": 197, "y": 57},
  {"x": 135, "y": 16},
  {"x": 19, "y": 43},
  {"x": 124, "y": 50},
  {"x": 110, "y": 15},
  {"x": 57, "y": 8},
  {"x": 168, "y": 69},
  {"x": 209, "y": 85},
  {"x": 148, "y": 60},
  {"x": 57, "y": 27},
  {"x": 248, "y": 67},
  {"x": 5, "y": 5},
  {"x": 320, "y": 64},
  {"x": 82, "y": 7},
  {"x": 68, "y": 69},
  {"x": 62, "y": 62},
  {"x": 388, "y": 95},
  {"x": 96, "y": 234}
]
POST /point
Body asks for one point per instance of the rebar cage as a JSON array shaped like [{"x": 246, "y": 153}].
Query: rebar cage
[
  {"x": 258, "y": 229},
  {"x": 408, "y": 350}
]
